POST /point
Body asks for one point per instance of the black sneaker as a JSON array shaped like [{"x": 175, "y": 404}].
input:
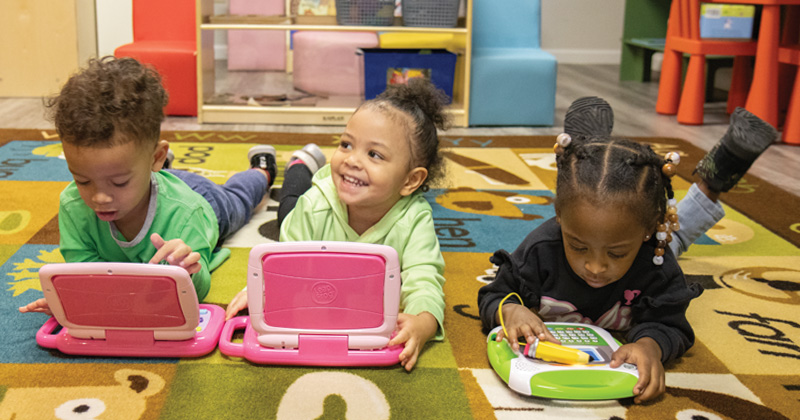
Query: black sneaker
[
  {"x": 589, "y": 116},
  {"x": 169, "y": 160},
  {"x": 262, "y": 156},
  {"x": 727, "y": 162}
]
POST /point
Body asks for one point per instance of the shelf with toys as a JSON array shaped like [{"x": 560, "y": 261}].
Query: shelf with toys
[{"x": 304, "y": 86}]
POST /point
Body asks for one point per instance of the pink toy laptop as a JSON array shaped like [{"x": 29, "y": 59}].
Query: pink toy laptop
[
  {"x": 126, "y": 309},
  {"x": 319, "y": 303}
]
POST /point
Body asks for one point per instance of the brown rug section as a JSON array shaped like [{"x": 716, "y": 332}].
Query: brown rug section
[
  {"x": 753, "y": 196},
  {"x": 48, "y": 234},
  {"x": 135, "y": 391}
]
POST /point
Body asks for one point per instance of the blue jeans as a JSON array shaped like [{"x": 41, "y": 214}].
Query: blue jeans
[
  {"x": 233, "y": 203},
  {"x": 696, "y": 214}
]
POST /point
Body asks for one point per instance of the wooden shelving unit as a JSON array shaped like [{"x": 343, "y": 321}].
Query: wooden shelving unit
[{"x": 334, "y": 111}]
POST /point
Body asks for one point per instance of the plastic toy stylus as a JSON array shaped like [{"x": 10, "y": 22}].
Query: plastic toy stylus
[{"x": 552, "y": 352}]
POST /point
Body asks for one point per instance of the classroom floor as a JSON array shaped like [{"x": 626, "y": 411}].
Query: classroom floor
[{"x": 633, "y": 103}]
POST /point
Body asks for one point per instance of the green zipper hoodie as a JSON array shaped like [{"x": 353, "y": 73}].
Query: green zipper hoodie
[{"x": 407, "y": 227}]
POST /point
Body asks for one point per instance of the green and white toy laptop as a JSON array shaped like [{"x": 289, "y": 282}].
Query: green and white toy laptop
[{"x": 591, "y": 381}]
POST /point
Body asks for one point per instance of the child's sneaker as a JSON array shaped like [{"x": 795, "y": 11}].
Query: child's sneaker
[
  {"x": 169, "y": 160},
  {"x": 725, "y": 164},
  {"x": 588, "y": 117},
  {"x": 262, "y": 156},
  {"x": 310, "y": 155}
]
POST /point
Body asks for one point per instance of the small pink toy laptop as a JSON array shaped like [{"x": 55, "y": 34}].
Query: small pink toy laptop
[
  {"x": 126, "y": 309},
  {"x": 319, "y": 304}
]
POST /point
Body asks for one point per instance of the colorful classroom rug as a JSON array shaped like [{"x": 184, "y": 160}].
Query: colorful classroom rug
[{"x": 745, "y": 365}]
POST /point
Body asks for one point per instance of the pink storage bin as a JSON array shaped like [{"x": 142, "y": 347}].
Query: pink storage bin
[
  {"x": 325, "y": 63},
  {"x": 257, "y": 49}
]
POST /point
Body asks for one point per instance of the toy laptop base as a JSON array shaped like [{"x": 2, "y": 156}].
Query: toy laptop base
[
  {"x": 592, "y": 381},
  {"x": 312, "y": 350},
  {"x": 138, "y": 344}
]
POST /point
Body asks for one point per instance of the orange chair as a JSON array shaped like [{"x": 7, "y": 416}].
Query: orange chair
[
  {"x": 164, "y": 37},
  {"x": 789, "y": 53},
  {"x": 683, "y": 36}
]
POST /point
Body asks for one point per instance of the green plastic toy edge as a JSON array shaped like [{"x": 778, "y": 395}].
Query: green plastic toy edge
[{"x": 565, "y": 384}]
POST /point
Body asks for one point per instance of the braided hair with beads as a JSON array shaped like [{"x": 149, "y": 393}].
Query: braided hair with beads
[{"x": 607, "y": 170}]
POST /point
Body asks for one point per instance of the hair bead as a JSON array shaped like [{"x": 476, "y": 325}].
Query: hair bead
[
  {"x": 673, "y": 157},
  {"x": 669, "y": 170},
  {"x": 563, "y": 140}
]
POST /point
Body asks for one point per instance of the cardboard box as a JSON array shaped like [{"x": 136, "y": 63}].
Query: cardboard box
[
  {"x": 383, "y": 67},
  {"x": 726, "y": 21}
]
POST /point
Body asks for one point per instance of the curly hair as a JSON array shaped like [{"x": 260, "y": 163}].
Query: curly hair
[
  {"x": 611, "y": 170},
  {"x": 110, "y": 101},
  {"x": 422, "y": 107}
]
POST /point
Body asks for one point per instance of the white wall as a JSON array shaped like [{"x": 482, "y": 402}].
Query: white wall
[
  {"x": 583, "y": 31},
  {"x": 575, "y": 31},
  {"x": 114, "y": 25}
]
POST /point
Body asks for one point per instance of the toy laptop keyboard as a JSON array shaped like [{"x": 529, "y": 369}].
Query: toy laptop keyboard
[
  {"x": 592, "y": 381},
  {"x": 320, "y": 304},
  {"x": 126, "y": 309}
]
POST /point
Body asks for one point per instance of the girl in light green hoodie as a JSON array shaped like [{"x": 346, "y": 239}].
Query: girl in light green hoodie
[{"x": 372, "y": 192}]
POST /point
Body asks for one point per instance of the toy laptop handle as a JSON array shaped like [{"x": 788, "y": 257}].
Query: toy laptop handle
[
  {"x": 226, "y": 344},
  {"x": 45, "y": 336}
]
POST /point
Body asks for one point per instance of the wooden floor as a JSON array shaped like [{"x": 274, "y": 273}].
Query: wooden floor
[{"x": 633, "y": 103}]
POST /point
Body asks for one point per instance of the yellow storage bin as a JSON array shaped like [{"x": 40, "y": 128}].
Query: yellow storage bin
[{"x": 422, "y": 40}]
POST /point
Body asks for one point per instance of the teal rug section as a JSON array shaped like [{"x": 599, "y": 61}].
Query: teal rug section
[
  {"x": 470, "y": 220},
  {"x": 33, "y": 161}
]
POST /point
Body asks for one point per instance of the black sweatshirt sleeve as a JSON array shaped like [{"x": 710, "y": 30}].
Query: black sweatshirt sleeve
[{"x": 661, "y": 315}]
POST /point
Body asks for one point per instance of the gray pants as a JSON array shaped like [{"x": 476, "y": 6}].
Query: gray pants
[{"x": 696, "y": 214}]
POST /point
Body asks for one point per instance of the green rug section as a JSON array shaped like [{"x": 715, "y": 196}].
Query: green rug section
[{"x": 217, "y": 392}]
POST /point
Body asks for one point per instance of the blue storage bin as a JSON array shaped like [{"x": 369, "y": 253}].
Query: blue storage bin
[
  {"x": 385, "y": 66},
  {"x": 726, "y": 21}
]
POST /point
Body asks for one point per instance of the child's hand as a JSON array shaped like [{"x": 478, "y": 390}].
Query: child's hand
[
  {"x": 39, "y": 305},
  {"x": 522, "y": 322},
  {"x": 175, "y": 252},
  {"x": 238, "y": 303},
  {"x": 415, "y": 331},
  {"x": 646, "y": 355}
]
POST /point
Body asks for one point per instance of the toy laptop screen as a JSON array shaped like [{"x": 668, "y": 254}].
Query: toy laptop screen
[
  {"x": 323, "y": 291},
  {"x": 119, "y": 301}
]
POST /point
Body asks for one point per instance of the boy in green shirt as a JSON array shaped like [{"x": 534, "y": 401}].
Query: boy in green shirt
[{"x": 122, "y": 206}]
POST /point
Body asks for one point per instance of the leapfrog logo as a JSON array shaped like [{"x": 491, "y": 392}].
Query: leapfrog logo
[{"x": 323, "y": 293}]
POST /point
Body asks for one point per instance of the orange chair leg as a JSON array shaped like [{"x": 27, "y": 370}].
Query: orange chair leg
[
  {"x": 690, "y": 110},
  {"x": 669, "y": 85},
  {"x": 791, "y": 129},
  {"x": 741, "y": 76},
  {"x": 763, "y": 97}
]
